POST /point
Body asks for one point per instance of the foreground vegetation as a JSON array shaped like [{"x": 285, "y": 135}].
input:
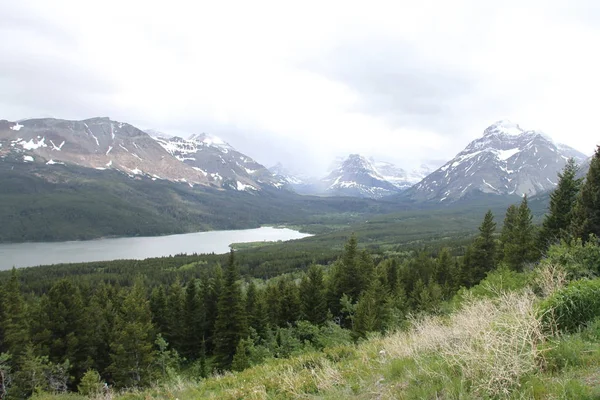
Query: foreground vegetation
[{"x": 513, "y": 316}]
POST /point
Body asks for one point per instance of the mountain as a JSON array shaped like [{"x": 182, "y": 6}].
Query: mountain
[
  {"x": 98, "y": 143},
  {"x": 103, "y": 144},
  {"x": 506, "y": 160},
  {"x": 399, "y": 177},
  {"x": 357, "y": 176},
  {"x": 219, "y": 162}
]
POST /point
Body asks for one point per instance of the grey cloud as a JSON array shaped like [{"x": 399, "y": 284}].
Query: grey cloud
[{"x": 393, "y": 81}]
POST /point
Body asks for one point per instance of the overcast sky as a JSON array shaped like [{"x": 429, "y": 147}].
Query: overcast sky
[{"x": 303, "y": 82}]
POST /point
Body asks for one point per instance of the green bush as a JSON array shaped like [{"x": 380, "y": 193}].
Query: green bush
[
  {"x": 91, "y": 383},
  {"x": 581, "y": 260},
  {"x": 572, "y": 307}
]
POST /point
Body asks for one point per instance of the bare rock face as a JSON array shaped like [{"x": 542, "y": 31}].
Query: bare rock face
[
  {"x": 104, "y": 144},
  {"x": 220, "y": 163},
  {"x": 506, "y": 161}
]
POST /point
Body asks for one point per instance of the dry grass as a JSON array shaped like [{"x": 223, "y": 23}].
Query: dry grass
[{"x": 492, "y": 342}]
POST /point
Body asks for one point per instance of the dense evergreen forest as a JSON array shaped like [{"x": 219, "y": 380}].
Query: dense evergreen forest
[{"x": 130, "y": 324}]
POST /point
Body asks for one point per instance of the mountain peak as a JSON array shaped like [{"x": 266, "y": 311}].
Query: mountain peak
[
  {"x": 506, "y": 161},
  {"x": 208, "y": 140},
  {"x": 503, "y": 127}
]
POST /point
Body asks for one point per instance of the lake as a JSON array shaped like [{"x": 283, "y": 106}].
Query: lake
[{"x": 32, "y": 254}]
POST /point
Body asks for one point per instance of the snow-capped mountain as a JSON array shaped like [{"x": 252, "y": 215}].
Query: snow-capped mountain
[
  {"x": 506, "y": 161},
  {"x": 357, "y": 176},
  {"x": 98, "y": 143},
  {"x": 291, "y": 178},
  {"x": 104, "y": 144},
  {"x": 220, "y": 163},
  {"x": 399, "y": 177}
]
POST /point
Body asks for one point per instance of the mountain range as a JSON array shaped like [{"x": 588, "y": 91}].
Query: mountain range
[
  {"x": 66, "y": 179},
  {"x": 506, "y": 160}
]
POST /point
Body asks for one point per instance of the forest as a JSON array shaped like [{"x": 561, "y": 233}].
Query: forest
[{"x": 126, "y": 325}]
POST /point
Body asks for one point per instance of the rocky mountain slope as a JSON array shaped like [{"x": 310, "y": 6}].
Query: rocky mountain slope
[
  {"x": 506, "y": 160},
  {"x": 103, "y": 144},
  {"x": 357, "y": 176},
  {"x": 220, "y": 163}
]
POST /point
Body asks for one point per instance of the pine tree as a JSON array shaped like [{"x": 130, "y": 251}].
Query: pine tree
[
  {"x": 289, "y": 304},
  {"x": 312, "y": 296},
  {"x": 373, "y": 310},
  {"x": 558, "y": 221},
  {"x": 349, "y": 280},
  {"x": 256, "y": 310},
  {"x": 194, "y": 320},
  {"x": 519, "y": 245},
  {"x": 483, "y": 257},
  {"x": 586, "y": 214},
  {"x": 131, "y": 350},
  {"x": 160, "y": 309},
  {"x": 63, "y": 318},
  {"x": 100, "y": 317},
  {"x": 213, "y": 287},
  {"x": 15, "y": 322},
  {"x": 444, "y": 267},
  {"x": 175, "y": 333},
  {"x": 508, "y": 229},
  {"x": 230, "y": 326}
]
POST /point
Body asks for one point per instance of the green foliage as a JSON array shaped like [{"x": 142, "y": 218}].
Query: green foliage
[
  {"x": 558, "y": 221},
  {"x": 496, "y": 283},
  {"x": 5, "y": 374},
  {"x": 91, "y": 383},
  {"x": 313, "y": 301},
  {"x": 572, "y": 307},
  {"x": 580, "y": 259},
  {"x": 586, "y": 218},
  {"x": 483, "y": 257},
  {"x": 518, "y": 237},
  {"x": 131, "y": 349},
  {"x": 231, "y": 325}
]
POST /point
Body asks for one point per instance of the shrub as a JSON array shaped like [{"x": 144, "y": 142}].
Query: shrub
[
  {"x": 572, "y": 307},
  {"x": 581, "y": 260},
  {"x": 91, "y": 383}
]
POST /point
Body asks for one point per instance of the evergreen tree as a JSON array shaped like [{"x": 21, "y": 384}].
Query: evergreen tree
[
  {"x": 483, "y": 257},
  {"x": 508, "y": 229},
  {"x": 558, "y": 221},
  {"x": 273, "y": 303},
  {"x": 160, "y": 309},
  {"x": 586, "y": 215},
  {"x": 373, "y": 310},
  {"x": 230, "y": 326},
  {"x": 289, "y": 303},
  {"x": 194, "y": 320},
  {"x": 15, "y": 323},
  {"x": 519, "y": 248},
  {"x": 256, "y": 310},
  {"x": 349, "y": 280},
  {"x": 176, "y": 331},
  {"x": 131, "y": 350},
  {"x": 63, "y": 313},
  {"x": 241, "y": 359},
  {"x": 212, "y": 293},
  {"x": 312, "y": 296},
  {"x": 100, "y": 317},
  {"x": 444, "y": 273}
]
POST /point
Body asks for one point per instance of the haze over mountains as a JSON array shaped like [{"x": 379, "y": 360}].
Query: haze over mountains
[{"x": 506, "y": 160}]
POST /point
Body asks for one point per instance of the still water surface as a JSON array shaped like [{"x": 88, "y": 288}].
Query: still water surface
[{"x": 32, "y": 254}]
